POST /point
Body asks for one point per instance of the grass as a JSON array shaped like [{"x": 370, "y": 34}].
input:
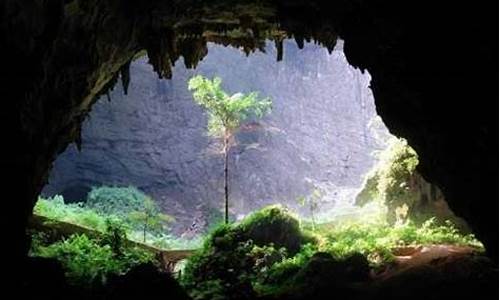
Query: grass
[
  {"x": 376, "y": 242},
  {"x": 77, "y": 213},
  {"x": 400, "y": 235}
]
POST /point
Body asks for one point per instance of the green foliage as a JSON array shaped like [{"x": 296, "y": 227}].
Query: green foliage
[
  {"x": 274, "y": 224},
  {"x": 266, "y": 256},
  {"x": 83, "y": 259},
  {"x": 388, "y": 182},
  {"x": 312, "y": 201},
  {"x": 209, "y": 290},
  {"x": 225, "y": 115},
  {"x": 149, "y": 218},
  {"x": 115, "y": 235},
  {"x": 223, "y": 264},
  {"x": 119, "y": 201},
  {"x": 255, "y": 256},
  {"x": 238, "y": 255},
  {"x": 76, "y": 213},
  {"x": 281, "y": 272},
  {"x": 432, "y": 233},
  {"x": 377, "y": 241},
  {"x": 87, "y": 261},
  {"x": 226, "y": 112},
  {"x": 145, "y": 223},
  {"x": 168, "y": 241}
]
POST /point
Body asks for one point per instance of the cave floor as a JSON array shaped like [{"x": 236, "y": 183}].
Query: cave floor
[{"x": 410, "y": 257}]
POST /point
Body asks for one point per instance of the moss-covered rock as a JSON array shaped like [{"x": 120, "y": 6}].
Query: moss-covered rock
[
  {"x": 233, "y": 255},
  {"x": 273, "y": 224}
]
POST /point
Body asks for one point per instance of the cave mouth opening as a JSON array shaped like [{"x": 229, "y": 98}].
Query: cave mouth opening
[
  {"x": 322, "y": 153},
  {"x": 322, "y": 136}
]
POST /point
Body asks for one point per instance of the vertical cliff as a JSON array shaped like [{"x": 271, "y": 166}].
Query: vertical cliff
[{"x": 320, "y": 130}]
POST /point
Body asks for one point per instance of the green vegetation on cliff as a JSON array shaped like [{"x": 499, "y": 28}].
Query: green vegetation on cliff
[{"x": 388, "y": 182}]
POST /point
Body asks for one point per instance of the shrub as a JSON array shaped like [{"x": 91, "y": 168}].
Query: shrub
[
  {"x": 149, "y": 218},
  {"x": 432, "y": 233},
  {"x": 232, "y": 268},
  {"x": 257, "y": 255},
  {"x": 76, "y": 213},
  {"x": 116, "y": 200},
  {"x": 266, "y": 256},
  {"x": 53, "y": 208},
  {"x": 311, "y": 268},
  {"x": 273, "y": 224},
  {"x": 89, "y": 218},
  {"x": 238, "y": 255},
  {"x": 281, "y": 272},
  {"x": 377, "y": 241},
  {"x": 86, "y": 261},
  {"x": 138, "y": 214},
  {"x": 115, "y": 235},
  {"x": 210, "y": 290}
]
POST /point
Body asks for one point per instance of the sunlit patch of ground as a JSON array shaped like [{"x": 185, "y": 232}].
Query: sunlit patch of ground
[{"x": 406, "y": 258}]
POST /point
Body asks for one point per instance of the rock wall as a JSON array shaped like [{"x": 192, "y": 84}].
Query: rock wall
[
  {"x": 430, "y": 202},
  {"x": 321, "y": 129}
]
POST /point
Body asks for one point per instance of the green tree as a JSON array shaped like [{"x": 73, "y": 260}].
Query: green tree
[
  {"x": 225, "y": 116},
  {"x": 116, "y": 200},
  {"x": 149, "y": 218},
  {"x": 312, "y": 201}
]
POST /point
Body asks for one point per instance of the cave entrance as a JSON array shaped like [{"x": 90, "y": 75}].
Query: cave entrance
[
  {"x": 319, "y": 141},
  {"x": 323, "y": 154},
  {"x": 314, "y": 154}
]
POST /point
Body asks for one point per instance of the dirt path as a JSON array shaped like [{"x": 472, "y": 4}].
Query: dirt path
[{"x": 415, "y": 256}]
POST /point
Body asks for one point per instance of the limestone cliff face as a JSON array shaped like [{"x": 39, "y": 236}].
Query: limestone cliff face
[{"x": 321, "y": 130}]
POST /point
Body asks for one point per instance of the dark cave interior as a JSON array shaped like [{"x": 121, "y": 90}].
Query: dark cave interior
[{"x": 433, "y": 68}]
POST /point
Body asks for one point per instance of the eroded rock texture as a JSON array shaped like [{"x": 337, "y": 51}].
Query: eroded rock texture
[
  {"x": 323, "y": 128},
  {"x": 433, "y": 67}
]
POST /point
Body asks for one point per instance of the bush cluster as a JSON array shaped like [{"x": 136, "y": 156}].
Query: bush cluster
[
  {"x": 139, "y": 215},
  {"x": 89, "y": 261},
  {"x": 268, "y": 253}
]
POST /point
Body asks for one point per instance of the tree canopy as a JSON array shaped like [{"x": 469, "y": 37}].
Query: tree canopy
[{"x": 226, "y": 112}]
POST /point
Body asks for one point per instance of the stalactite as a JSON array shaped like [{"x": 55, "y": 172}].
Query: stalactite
[
  {"x": 193, "y": 50},
  {"x": 299, "y": 40},
  {"x": 125, "y": 76},
  {"x": 279, "y": 49}
]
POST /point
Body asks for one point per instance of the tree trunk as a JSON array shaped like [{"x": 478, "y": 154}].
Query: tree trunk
[
  {"x": 226, "y": 177},
  {"x": 144, "y": 233},
  {"x": 313, "y": 219}
]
